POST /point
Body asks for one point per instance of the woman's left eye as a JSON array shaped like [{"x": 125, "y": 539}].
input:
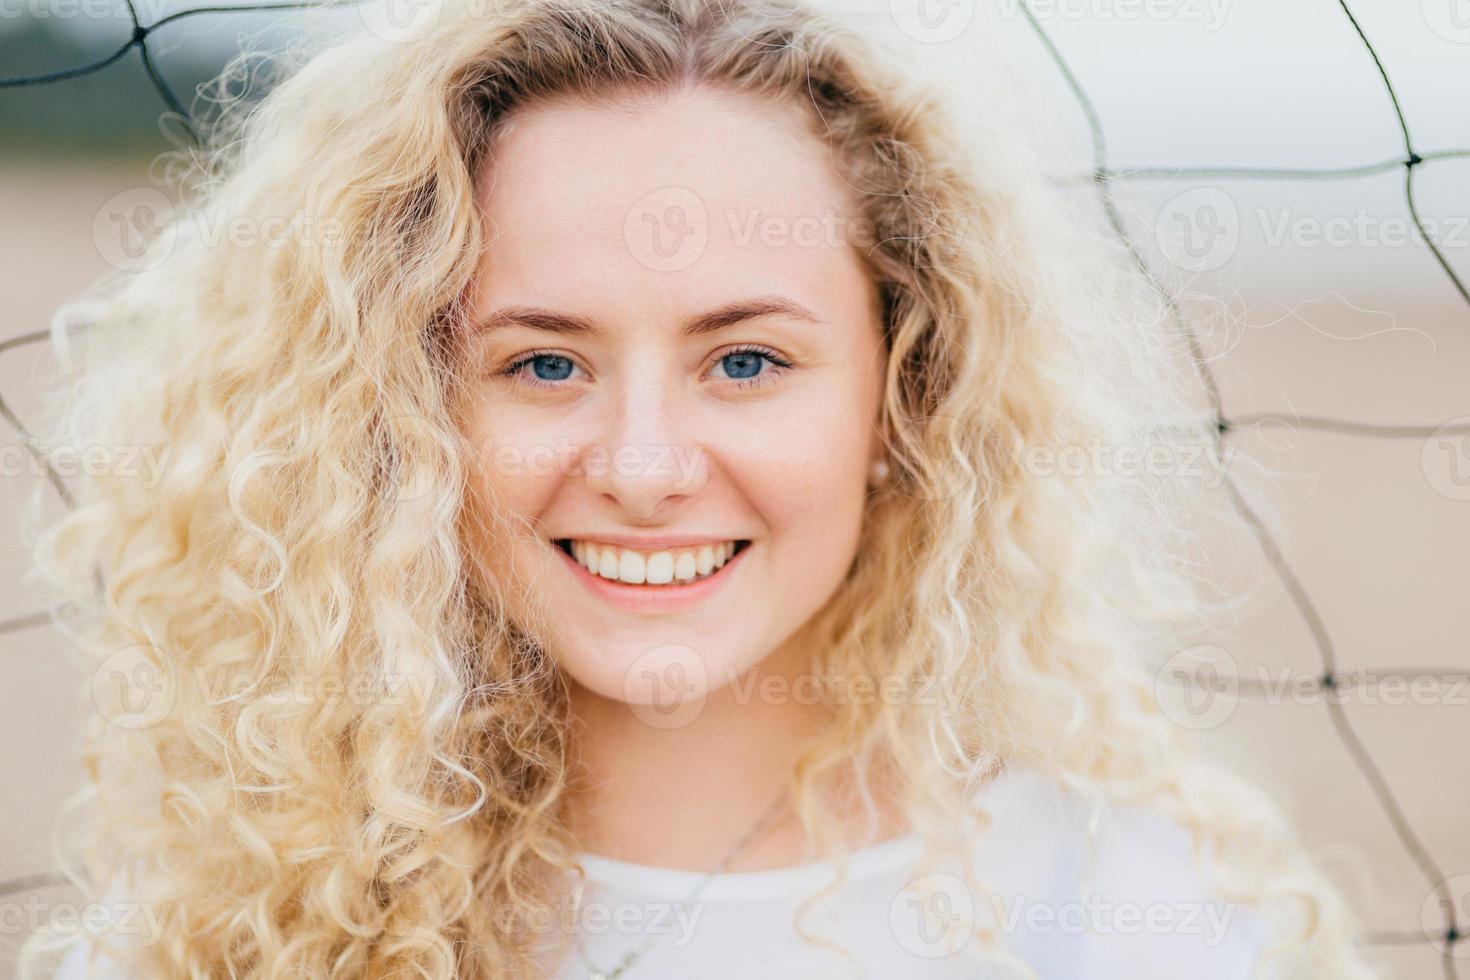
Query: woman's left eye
[{"x": 745, "y": 365}]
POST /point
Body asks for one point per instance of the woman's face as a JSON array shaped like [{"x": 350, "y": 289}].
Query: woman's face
[{"x": 675, "y": 347}]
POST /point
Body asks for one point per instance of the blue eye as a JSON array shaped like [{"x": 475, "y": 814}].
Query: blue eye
[
  {"x": 548, "y": 369},
  {"x": 557, "y": 368},
  {"x": 743, "y": 365}
]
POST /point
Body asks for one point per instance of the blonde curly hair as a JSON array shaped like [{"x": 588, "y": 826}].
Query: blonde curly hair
[{"x": 309, "y": 526}]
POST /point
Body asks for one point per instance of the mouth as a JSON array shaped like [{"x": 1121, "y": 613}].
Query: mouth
[{"x": 668, "y": 570}]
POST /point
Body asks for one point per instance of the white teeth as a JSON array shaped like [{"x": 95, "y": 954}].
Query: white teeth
[
  {"x": 660, "y": 568},
  {"x": 630, "y": 567},
  {"x": 679, "y": 565}
]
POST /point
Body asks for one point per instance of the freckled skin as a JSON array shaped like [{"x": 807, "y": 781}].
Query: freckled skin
[{"x": 782, "y": 463}]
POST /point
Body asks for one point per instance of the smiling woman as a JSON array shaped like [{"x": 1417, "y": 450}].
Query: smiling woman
[{"x": 616, "y": 553}]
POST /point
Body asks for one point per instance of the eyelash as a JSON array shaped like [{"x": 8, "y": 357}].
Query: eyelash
[
  {"x": 778, "y": 363},
  {"x": 513, "y": 370}
]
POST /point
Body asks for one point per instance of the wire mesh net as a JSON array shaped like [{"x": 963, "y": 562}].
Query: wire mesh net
[{"x": 1455, "y": 921}]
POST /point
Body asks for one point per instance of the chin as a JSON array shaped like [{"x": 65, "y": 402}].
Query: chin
[{"x": 644, "y": 672}]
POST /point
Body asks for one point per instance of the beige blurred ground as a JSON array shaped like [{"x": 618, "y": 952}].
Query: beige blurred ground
[{"x": 1374, "y": 534}]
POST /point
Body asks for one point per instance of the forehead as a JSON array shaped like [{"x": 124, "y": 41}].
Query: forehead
[{"x": 673, "y": 201}]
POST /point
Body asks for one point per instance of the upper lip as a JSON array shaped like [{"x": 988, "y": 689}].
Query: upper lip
[{"x": 648, "y": 544}]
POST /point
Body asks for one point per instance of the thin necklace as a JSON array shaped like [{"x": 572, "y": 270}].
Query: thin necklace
[{"x": 632, "y": 956}]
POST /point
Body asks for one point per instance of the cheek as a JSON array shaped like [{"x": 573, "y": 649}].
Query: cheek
[
  {"x": 805, "y": 470},
  {"x": 512, "y": 474},
  {"x": 515, "y": 459}
]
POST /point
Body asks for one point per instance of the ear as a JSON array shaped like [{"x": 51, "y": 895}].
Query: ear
[
  {"x": 878, "y": 467},
  {"x": 879, "y": 455}
]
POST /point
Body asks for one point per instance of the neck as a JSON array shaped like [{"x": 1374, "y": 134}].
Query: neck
[{"x": 682, "y": 797}]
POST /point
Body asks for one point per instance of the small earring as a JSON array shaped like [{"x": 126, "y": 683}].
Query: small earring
[{"x": 879, "y": 471}]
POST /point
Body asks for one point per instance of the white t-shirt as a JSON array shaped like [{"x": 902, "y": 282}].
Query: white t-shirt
[
  {"x": 1136, "y": 910},
  {"x": 1143, "y": 912}
]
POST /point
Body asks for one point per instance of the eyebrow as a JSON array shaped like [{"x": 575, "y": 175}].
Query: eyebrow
[{"x": 693, "y": 326}]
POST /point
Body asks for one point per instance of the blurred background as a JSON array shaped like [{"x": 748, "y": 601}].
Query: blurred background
[{"x": 1257, "y": 158}]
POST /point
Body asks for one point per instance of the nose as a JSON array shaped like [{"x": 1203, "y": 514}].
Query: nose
[{"x": 645, "y": 460}]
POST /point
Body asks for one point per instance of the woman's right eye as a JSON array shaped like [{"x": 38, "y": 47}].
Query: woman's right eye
[{"x": 547, "y": 369}]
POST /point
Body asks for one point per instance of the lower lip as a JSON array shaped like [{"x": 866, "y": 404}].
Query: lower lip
[{"x": 654, "y": 598}]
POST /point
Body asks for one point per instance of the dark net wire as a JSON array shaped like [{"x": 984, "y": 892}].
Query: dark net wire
[{"x": 1454, "y": 929}]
